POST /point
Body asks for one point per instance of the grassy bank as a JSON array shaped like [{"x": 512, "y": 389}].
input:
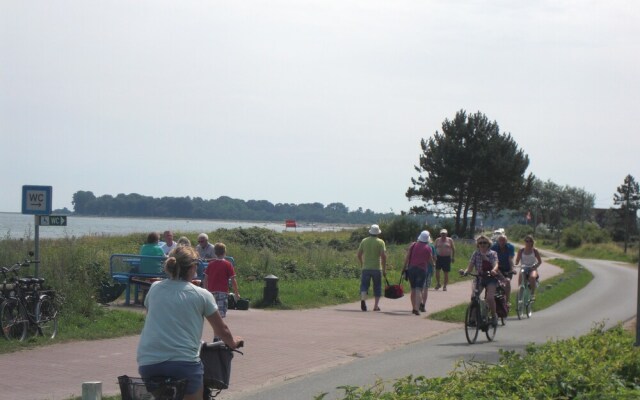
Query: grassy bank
[
  {"x": 555, "y": 370},
  {"x": 603, "y": 251},
  {"x": 551, "y": 291}
]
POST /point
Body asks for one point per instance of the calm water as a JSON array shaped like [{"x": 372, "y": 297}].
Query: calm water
[{"x": 16, "y": 226}]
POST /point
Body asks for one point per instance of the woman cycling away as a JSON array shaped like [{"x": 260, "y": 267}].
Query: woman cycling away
[
  {"x": 176, "y": 309},
  {"x": 485, "y": 261},
  {"x": 529, "y": 259}
]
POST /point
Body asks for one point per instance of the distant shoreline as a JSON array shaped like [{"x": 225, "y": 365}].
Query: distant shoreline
[
  {"x": 17, "y": 225},
  {"x": 299, "y": 222}
]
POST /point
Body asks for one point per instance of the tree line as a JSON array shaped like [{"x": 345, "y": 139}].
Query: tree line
[{"x": 222, "y": 208}]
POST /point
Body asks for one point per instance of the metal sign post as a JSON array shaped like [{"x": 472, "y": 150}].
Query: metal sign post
[{"x": 36, "y": 238}]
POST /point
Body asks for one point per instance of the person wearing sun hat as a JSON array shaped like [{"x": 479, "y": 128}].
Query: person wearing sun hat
[
  {"x": 373, "y": 262},
  {"x": 446, "y": 253},
  {"x": 416, "y": 264},
  {"x": 430, "y": 269}
]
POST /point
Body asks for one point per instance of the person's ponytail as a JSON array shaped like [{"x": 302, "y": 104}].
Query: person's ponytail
[{"x": 179, "y": 262}]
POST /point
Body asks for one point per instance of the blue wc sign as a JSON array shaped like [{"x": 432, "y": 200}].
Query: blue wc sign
[{"x": 36, "y": 200}]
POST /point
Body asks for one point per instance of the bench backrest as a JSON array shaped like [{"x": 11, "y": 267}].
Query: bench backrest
[{"x": 137, "y": 265}]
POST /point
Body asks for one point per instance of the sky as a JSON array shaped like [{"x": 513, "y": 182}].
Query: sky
[{"x": 294, "y": 101}]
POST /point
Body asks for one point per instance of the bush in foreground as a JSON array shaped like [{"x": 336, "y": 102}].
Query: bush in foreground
[{"x": 600, "y": 365}]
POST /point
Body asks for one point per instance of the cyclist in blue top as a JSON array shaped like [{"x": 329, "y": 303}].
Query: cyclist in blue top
[
  {"x": 506, "y": 253},
  {"x": 176, "y": 310}
]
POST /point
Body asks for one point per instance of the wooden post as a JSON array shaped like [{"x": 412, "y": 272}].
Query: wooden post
[{"x": 92, "y": 391}]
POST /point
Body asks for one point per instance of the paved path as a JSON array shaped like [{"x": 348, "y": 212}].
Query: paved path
[{"x": 280, "y": 345}]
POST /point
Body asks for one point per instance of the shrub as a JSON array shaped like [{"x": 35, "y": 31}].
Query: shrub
[
  {"x": 571, "y": 238},
  {"x": 516, "y": 233},
  {"x": 577, "y": 234},
  {"x": 402, "y": 229}
]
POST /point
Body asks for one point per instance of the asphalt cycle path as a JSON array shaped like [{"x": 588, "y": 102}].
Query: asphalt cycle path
[{"x": 609, "y": 298}]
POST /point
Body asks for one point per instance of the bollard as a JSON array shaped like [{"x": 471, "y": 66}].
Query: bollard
[
  {"x": 270, "y": 294},
  {"x": 92, "y": 391}
]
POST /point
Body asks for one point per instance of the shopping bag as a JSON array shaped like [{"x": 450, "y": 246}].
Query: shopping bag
[{"x": 393, "y": 291}]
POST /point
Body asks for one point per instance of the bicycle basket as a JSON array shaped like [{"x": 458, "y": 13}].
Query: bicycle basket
[
  {"x": 216, "y": 359},
  {"x": 157, "y": 388}
]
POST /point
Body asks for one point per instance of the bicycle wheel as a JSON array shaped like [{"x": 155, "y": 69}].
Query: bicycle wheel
[
  {"x": 13, "y": 319},
  {"x": 472, "y": 322},
  {"x": 491, "y": 328},
  {"x": 527, "y": 303},
  {"x": 47, "y": 317},
  {"x": 521, "y": 306},
  {"x": 30, "y": 303}
]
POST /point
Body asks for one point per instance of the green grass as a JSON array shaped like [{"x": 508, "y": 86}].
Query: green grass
[
  {"x": 104, "y": 325},
  {"x": 604, "y": 251},
  {"x": 599, "y": 365},
  {"x": 316, "y": 269},
  {"x": 551, "y": 291}
]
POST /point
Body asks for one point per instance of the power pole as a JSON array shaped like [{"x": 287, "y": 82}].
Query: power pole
[
  {"x": 626, "y": 218},
  {"x": 582, "y": 211}
]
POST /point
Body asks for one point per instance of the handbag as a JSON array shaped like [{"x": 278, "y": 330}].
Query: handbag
[
  {"x": 216, "y": 359},
  {"x": 393, "y": 291}
]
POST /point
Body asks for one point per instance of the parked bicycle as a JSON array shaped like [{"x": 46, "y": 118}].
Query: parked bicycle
[
  {"x": 27, "y": 305},
  {"x": 524, "y": 306},
  {"x": 478, "y": 315}
]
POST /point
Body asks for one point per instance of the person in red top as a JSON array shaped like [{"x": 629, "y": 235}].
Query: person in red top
[
  {"x": 217, "y": 276},
  {"x": 416, "y": 264}
]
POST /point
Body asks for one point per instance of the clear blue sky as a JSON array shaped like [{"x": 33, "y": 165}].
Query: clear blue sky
[{"x": 307, "y": 101}]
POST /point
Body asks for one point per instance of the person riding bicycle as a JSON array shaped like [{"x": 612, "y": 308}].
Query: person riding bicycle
[
  {"x": 506, "y": 252},
  {"x": 485, "y": 261},
  {"x": 529, "y": 259},
  {"x": 171, "y": 337}
]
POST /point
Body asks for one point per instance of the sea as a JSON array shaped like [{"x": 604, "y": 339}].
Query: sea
[{"x": 16, "y": 226}]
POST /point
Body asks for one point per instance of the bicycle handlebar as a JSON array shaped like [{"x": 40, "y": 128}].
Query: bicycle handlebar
[
  {"x": 464, "y": 273},
  {"x": 19, "y": 265}
]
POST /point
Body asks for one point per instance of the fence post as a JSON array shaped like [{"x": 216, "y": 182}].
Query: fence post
[{"x": 92, "y": 391}]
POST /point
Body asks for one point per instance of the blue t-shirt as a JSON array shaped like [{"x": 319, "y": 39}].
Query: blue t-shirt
[{"x": 504, "y": 255}]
